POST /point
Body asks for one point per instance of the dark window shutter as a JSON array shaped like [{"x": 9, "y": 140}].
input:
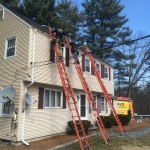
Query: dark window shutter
[
  {"x": 99, "y": 103},
  {"x": 109, "y": 74},
  {"x": 64, "y": 100},
  {"x": 106, "y": 105},
  {"x": 41, "y": 96},
  {"x": 102, "y": 70},
  {"x": 83, "y": 63},
  {"x": 90, "y": 110},
  {"x": 52, "y": 52},
  {"x": 92, "y": 70},
  {"x": 67, "y": 57}
]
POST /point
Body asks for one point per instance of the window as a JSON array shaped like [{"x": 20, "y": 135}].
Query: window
[
  {"x": 10, "y": 47},
  {"x": 95, "y": 99},
  {"x": 106, "y": 72},
  {"x": 1, "y": 14},
  {"x": 6, "y": 109},
  {"x": 102, "y": 103},
  {"x": 87, "y": 65},
  {"x": 98, "y": 67},
  {"x": 53, "y": 99}
]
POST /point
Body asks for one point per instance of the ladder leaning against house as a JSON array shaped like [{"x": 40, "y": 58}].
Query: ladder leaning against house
[
  {"x": 104, "y": 90},
  {"x": 70, "y": 97},
  {"x": 90, "y": 97}
]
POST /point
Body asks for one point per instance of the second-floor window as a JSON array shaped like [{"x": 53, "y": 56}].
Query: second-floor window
[
  {"x": 87, "y": 66},
  {"x": 1, "y": 14},
  {"x": 98, "y": 67},
  {"x": 52, "y": 98},
  {"x": 106, "y": 72},
  {"x": 10, "y": 47}
]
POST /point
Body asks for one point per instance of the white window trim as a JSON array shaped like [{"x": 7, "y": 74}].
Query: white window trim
[
  {"x": 89, "y": 66},
  {"x": 96, "y": 99},
  {"x": 1, "y": 109},
  {"x": 103, "y": 111},
  {"x": 61, "y": 104},
  {"x": 107, "y": 72},
  {"x": 6, "y": 44},
  {"x": 99, "y": 66},
  {"x": 79, "y": 106},
  {"x": 2, "y": 9}
]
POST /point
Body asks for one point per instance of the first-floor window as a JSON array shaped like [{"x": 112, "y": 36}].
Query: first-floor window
[
  {"x": 53, "y": 98},
  {"x": 102, "y": 103},
  {"x": 5, "y": 109}
]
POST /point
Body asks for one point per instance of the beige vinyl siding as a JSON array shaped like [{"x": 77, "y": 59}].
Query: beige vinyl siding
[
  {"x": 14, "y": 68},
  {"x": 46, "y": 121}
]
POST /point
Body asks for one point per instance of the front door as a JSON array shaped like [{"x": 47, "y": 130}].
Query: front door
[{"x": 83, "y": 107}]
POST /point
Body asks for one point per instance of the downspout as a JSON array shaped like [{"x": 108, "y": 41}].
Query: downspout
[{"x": 26, "y": 88}]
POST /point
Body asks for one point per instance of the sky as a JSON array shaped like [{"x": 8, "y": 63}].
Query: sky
[{"x": 138, "y": 13}]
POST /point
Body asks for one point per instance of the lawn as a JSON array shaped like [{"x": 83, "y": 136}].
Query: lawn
[{"x": 117, "y": 143}]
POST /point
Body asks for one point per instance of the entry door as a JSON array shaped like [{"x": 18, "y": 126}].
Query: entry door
[{"x": 83, "y": 107}]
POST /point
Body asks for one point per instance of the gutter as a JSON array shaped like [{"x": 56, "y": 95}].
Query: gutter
[{"x": 26, "y": 88}]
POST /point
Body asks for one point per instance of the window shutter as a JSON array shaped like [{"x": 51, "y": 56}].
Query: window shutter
[
  {"x": 41, "y": 97},
  {"x": 90, "y": 109},
  {"x": 1, "y": 14},
  {"x": 83, "y": 63},
  {"x": 92, "y": 70},
  {"x": 106, "y": 106},
  {"x": 109, "y": 74},
  {"x": 64, "y": 100},
  {"x": 52, "y": 52},
  {"x": 102, "y": 70},
  {"x": 67, "y": 57},
  {"x": 99, "y": 103}
]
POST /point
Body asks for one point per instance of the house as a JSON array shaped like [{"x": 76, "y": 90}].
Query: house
[{"x": 27, "y": 63}]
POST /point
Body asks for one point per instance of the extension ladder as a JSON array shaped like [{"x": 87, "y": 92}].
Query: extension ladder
[
  {"x": 104, "y": 90},
  {"x": 89, "y": 97},
  {"x": 72, "y": 104}
]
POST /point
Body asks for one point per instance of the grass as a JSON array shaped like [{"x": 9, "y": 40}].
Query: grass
[{"x": 116, "y": 143}]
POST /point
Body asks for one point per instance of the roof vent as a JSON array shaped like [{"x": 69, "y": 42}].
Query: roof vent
[{"x": 1, "y": 14}]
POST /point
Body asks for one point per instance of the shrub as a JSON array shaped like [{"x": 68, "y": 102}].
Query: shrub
[
  {"x": 106, "y": 121},
  {"x": 125, "y": 119},
  {"x": 86, "y": 125}
]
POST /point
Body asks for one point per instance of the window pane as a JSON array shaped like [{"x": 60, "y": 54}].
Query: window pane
[
  {"x": 11, "y": 43},
  {"x": 87, "y": 69},
  {"x": 6, "y": 108},
  {"x": 102, "y": 107},
  {"x": 10, "y": 52},
  {"x": 58, "y": 100},
  {"x": 87, "y": 65},
  {"x": 11, "y": 47},
  {"x": 83, "y": 111},
  {"x": 52, "y": 98},
  {"x": 46, "y": 102}
]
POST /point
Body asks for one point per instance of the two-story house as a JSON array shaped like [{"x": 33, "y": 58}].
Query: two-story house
[{"x": 27, "y": 63}]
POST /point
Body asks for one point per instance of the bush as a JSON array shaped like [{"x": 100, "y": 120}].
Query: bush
[
  {"x": 106, "y": 121},
  {"x": 86, "y": 125},
  {"x": 125, "y": 119}
]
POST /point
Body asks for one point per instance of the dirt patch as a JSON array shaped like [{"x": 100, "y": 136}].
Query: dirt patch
[
  {"x": 50, "y": 142},
  {"x": 135, "y": 147}
]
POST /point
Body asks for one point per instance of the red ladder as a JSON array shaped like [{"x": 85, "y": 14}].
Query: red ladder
[
  {"x": 107, "y": 96},
  {"x": 72, "y": 104},
  {"x": 89, "y": 97}
]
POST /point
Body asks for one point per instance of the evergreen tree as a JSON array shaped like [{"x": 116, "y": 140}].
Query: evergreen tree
[
  {"x": 10, "y": 3},
  {"x": 42, "y": 11},
  {"x": 68, "y": 17},
  {"x": 104, "y": 25}
]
